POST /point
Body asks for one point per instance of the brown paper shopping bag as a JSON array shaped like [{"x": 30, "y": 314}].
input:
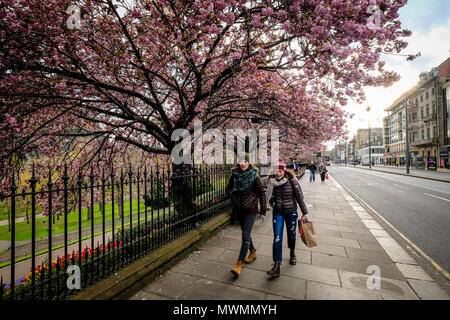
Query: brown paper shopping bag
[{"x": 307, "y": 233}]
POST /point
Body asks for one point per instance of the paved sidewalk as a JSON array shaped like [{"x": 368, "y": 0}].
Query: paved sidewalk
[
  {"x": 349, "y": 242},
  {"x": 21, "y": 219},
  {"x": 420, "y": 173}
]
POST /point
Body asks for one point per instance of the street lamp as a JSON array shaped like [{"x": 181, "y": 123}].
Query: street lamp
[
  {"x": 370, "y": 143},
  {"x": 407, "y": 143},
  {"x": 345, "y": 152}
]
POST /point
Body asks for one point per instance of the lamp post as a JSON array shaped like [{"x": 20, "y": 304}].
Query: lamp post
[
  {"x": 345, "y": 152},
  {"x": 354, "y": 153},
  {"x": 370, "y": 150},
  {"x": 370, "y": 142},
  {"x": 407, "y": 143}
]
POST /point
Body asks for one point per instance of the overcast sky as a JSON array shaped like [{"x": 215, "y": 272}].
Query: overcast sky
[{"x": 429, "y": 21}]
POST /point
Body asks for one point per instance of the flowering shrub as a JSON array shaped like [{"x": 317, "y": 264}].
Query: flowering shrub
[{"x": 57, "y": 266}]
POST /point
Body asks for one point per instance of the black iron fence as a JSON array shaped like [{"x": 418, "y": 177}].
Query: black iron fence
[{"x": 100, "y": 224}]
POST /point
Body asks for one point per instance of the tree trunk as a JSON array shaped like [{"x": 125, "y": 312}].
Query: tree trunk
[
  {"x": 182, "y": 190},
  {"x": 119, "y": 204},
  {"x": 9, "y": 216},
  {"x": 89, "y": 211}
]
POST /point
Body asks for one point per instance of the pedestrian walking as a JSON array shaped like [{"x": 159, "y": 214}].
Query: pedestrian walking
[
  {"x": 322, "y": 171},
  {"x": 312, "y": 171},
  {"x": 245, "y": 189},
  {"x": 283, "y": 194}
]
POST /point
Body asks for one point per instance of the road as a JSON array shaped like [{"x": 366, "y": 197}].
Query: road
[{"x": 418, "y": 208}]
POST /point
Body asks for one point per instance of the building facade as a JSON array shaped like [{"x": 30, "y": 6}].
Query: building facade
[
  {"x": 423, "y": 125},
  {"x": 443, "y": 91},
  {"x": 376, "y": 156},
  {"x": 394, "y": 131},
  {"x": 362, "y": 142},
  {"x": 351, "y": 151},
  {"x": 424, "y": 109}
]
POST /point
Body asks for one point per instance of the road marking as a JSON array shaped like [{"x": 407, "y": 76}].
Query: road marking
[
  {"x": 401, "y": 186},
  {"x": 379, "y": 174},
  {"x": 431, "y": 195},
  {"x": 438, "y": 267}
]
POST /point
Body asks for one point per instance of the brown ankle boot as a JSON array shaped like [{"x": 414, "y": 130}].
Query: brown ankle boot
[
  {"x": 251, "y": 257},
  {"x": 275, "y": 271},
  {"x": 293, "y": 259},
  {"x": 237, "y": 269}
]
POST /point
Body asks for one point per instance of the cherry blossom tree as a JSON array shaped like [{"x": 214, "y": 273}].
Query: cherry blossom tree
[{"x": 84, "y": 86}]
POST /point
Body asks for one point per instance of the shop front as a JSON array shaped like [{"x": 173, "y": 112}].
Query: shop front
[
  {"x": 444, "y": 155},
  {"x": 415, "y": 160},
  {"x": 386, "y": 158},
  {"x": 390, "y": 159},
  {"x": 399, "y": 159},
  {"x": 431, "y": 163}
]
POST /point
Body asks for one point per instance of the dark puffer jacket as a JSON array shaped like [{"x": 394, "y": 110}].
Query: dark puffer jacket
[
  {"x": 285, "y": 197},
  {"x": 246, "y": 201}
]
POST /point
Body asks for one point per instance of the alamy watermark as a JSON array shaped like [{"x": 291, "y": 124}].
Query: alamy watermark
[
  {"x": 74, "y": 20},
  {"x": 74, "y": 279},
  {"x": 374, "y": 280},
  {"x": 374, "y": 21},
  {"x": 214, "y": 152}
]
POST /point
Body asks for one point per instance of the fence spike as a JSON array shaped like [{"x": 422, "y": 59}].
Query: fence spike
[
  {"x": 65, "y": 177},
  {"x": 13, "y": 182},
  {"x": 112, "y": 173}
]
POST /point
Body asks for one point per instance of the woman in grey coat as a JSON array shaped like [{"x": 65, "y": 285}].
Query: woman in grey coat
[{"x": 283, "y": 194}]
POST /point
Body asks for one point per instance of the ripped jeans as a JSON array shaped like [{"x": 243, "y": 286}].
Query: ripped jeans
[{"x": 291, "y": 225}]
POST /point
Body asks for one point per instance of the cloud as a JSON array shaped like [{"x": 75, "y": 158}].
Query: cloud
[{"x": 434, "y": 45}]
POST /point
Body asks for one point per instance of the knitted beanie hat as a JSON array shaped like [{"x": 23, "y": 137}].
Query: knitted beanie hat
[{"x": 281, "y": 165}]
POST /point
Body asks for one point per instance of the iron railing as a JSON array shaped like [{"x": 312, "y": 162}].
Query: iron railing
[{"x": 127, "y": 217}]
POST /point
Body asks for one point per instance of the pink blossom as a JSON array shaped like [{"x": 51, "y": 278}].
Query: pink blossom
[
  {"x": 282, "y": 15},
  {"x": 229, "y": 18},
  {"x": 219, "y": 4},
  {"x": 267, "y": 11},
  {"x": 287, "y": 26},
  {"x": 60, "y": 86},
  {"x": 184, "y": 63},
  {"x": 256, "y": 21}
]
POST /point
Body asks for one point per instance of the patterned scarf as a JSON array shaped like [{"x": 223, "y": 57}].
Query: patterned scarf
[{"x": 243, "y": 179}]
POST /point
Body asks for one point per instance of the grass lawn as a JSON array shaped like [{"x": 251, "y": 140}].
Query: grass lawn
[
  {"x": 23, "y": 230},
  {"x": 20, "y": 210}
]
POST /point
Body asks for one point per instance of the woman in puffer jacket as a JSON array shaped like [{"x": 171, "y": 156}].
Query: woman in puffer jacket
[
  {"x": 283, "y": 194},
  {"x": 245, "y": 189}
]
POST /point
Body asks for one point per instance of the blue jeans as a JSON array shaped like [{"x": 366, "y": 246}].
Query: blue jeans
[
  {"x": 246, "y": 225},
  {"x": 291, "y": 225},
  {"x": 312, "y": 176}
]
